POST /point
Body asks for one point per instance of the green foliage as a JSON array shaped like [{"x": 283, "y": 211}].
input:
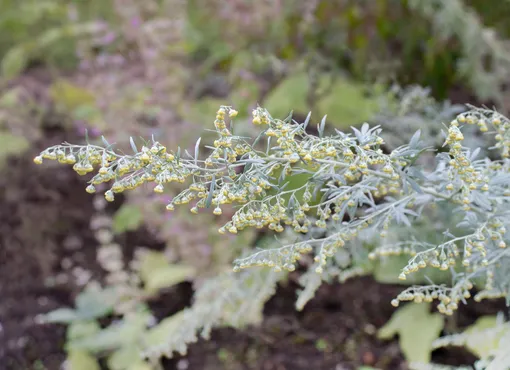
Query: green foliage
[
  {"x": 368, "y": 206},
  {"x": 80, "y": 360},
  {"x": 127, "y": 218},
  {"x": 488, "y": 338},
  {"x": 417, "y": 329},
  {"x": 479, "y": 344},
  {"x": 370, "y": 202},
  {"x": 11, "y": 144},
  {"x": 156, "y": 273},
  {"x": 90, "y": 304},
  {"x": 345, "y": 101}
]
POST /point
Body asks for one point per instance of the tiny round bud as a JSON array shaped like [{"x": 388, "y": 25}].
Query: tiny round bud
[
  {"x": 90, "y": 189},
  {"x": 109, "y": 196},
  {"x": 38, "y": 159},
  {"x": 395, "y": 302},
  {"x": 159, "y": 188}
]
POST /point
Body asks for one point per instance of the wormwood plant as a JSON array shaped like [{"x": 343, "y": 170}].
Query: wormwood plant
[{"x": 344, "y": 199}]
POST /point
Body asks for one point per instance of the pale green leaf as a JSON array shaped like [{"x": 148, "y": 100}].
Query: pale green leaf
[
  {"x": 159, "y": 333},
  {"x": 345, "y": 104},
  {"x": 92, "y": 303},
  {"x": 11, "y": 97},
  {"x": 203, "y": 111},
  {"x": 114, "y": 336},
  {"x": 61, "y": 315},
  {"x": 15, "y": 61},
  {"x": 71, "y": 96},
  {"x": 417, "y": 328},
  {"x": 140, "y": 366},
  {"x": 128, "y": 218},
  {"x": 126, "y": 357},
  {"x": 479, "y": 344},
  {"x": 157, "y": 273},
  {"x": 86, "y": 112},
  {"x": 11, "y": 144},
  {"x": 81, "y": 329},
  {"x": 81, "y": 360}
]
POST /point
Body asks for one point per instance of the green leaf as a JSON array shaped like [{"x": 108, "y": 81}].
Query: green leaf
[
  {"x": 92, "y": 303},
  {"x": 81, "y": 360},
  {"x": 417, "y": 328},
  {"x": 86, "y": 112},
  {"x": 127, "y": 218},
  {"x": 61, "y": 315},
  {"x": 140, "y": 366},
  {"x": 71, "y": 96},
  {"x": 11, "y": 97},
  {"x": 159, "y": 333},
  {"x": 203, "y": 111},
  {"x": 157, "y": 273},
  {"x": 11, "y": 144},
  {"x": 114, "y": 336},
  {"x": 15, "y": 61},
  {"x": 346, "y": 104},
  {"x": 126, "y": 357},
  {"x": 82, "y": 329},
  {"x": 479, "y": 344}
]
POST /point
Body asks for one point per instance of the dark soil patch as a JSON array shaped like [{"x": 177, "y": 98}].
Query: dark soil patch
[
  {"x": 44, "y": 223},
  {"x": 336, "y": 330}
]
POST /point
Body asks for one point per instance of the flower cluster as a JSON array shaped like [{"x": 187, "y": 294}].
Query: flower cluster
[{"x": 332, "y": 190}]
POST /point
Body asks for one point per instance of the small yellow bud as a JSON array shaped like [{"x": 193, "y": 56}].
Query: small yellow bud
[
  {"x": 159, "y": 188},
  {"x": 38, "y": 159},
  {"x": 90, "y": 189},
  {"x": 109, "y": 196}
]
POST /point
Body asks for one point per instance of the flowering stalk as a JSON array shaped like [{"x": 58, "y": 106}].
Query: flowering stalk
[{"x": 352, "y": 186}]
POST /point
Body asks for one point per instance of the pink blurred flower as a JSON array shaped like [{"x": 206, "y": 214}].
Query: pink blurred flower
[{"x": 135, "y": 22}]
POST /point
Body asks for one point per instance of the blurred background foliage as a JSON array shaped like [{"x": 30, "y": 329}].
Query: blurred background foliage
[{"x": 123, "y": 68}]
